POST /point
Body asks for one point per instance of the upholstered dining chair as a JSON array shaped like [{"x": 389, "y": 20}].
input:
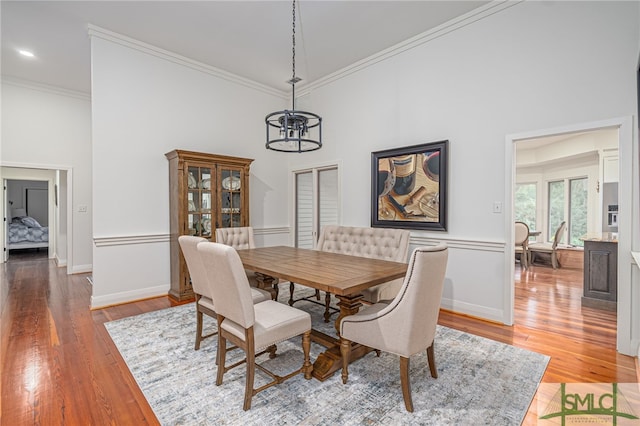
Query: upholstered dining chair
[
  {"x": 407, "y": 325},
  {"x": 548, "y": 248},
  {"x": 248, "y": 326},
  {"x": 241, "y": 238},
  {"x": 521, "y": 238},
  {"x": 204, "y": 301},
  {"x": 376, "y": 243}
]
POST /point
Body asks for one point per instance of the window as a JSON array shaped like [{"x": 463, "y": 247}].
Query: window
[
  {"x": 316, "y": 203},
  {"x": 578, "y": 197},
  {"x": 525, "y": 204},
  {"x": 556, "y": 207},
  {"x": 568, "y": 201}
]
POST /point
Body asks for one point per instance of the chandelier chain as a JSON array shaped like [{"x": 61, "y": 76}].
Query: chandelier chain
[{"x": 293, "y": 39}]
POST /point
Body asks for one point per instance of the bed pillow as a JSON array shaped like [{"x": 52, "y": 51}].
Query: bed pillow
[{"x": 30, "y": 222}]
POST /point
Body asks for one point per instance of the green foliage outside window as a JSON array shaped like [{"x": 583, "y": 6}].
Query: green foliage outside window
[
  {"x": 556, "y": 207},
  {"x": 525, "y": 204},
  {"x": 577, "y": 211}
]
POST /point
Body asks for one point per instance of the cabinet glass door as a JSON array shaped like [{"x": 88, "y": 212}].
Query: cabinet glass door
[
  {"x": 230, "y": 198},
  {"x": 199, "y": 201}
]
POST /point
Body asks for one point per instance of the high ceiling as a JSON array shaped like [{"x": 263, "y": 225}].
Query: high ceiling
[{"x": 251, "y": 39}]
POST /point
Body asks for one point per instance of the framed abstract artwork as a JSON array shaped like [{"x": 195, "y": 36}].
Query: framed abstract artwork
[{"x": 409, "y": 187}]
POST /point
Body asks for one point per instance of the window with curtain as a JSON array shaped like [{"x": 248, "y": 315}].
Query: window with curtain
[{"x": 316, "y": 203}]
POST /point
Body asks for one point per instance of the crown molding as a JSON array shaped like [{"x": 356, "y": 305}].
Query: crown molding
[
  {"x": 95, "y": 31},
  {"x": 27, "y": 84},
  {"x": 411, "y": 43}
]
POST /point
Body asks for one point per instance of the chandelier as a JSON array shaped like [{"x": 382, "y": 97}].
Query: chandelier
[{"x": 291, "y": 130}]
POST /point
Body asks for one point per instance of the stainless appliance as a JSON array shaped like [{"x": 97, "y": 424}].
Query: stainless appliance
[
  {"x": 612, "y": 216},
  {"x": 610, "y": 207}
]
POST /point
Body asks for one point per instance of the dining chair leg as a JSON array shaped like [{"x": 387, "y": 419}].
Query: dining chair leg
[
  {"x": 406, "y": 385},
  {"x": 292, "y": 286},
  {"x": 307, "y": 367},
  {"x": 272, "y": 351},
  {"x": 221, "y": 357},
  {"x": 251, "y": 368},
  {"x": 198, "y": 327},
  {"x": 431, "y": 357},
  {"x": 345, "y": 352}
]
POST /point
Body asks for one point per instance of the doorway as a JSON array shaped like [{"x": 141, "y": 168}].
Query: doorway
[
  {"x": 28, "y": 221},
  {"x": 59, "y": 201},
  {"x": 316, "y": 203},
  {"x": 625, "y": 343}
]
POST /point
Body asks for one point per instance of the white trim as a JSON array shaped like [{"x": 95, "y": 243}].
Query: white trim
[
  {"x": 95, "y": 31},
  {"x": 125, "y": 240},
  {"x": 479, "y": 311},
  {"x": 452, "y": 25},
  {"x": 61, "y": 263},
  {"x": 272, "y": 231},
  {"x": 456, "y": 243},
  {"x": 627, "y": 205},
  {"x": 81, "y": 269},
  {"x": 41, "y": 87},
  {"x": 35, "y": 166},
  {"x": 128, "y": 296}
]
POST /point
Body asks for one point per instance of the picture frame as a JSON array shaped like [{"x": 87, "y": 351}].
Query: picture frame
[{"x": 409, "y": 187}]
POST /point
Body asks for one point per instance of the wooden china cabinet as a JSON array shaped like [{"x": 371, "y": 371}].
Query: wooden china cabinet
[{"x": 206, "y": 191}]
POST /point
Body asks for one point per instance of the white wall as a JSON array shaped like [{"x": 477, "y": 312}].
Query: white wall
[
  {"x": 534, "y": 65},
  {"x": 145, "y": 105},
  {"x": 51, "y": 129}
]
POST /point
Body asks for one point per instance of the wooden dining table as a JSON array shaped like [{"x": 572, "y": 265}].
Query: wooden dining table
[{"x": 339, "y": 274}]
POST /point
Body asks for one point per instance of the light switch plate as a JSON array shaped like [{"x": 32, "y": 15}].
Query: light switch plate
[{"x": 497, "y": 207}]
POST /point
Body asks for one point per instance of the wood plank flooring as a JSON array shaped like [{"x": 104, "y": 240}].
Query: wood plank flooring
[{"x": 60, "y": 367}]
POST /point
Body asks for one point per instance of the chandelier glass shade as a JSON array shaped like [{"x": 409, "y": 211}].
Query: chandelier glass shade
[{"x": 293, "y": 130}]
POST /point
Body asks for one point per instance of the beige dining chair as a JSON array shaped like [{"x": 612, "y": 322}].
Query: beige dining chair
[
  {"x": 407, "y": 325},
  {"x": 248, "y": 326},
  {"x": 521, "y": 238},
  {"x": 548, "y": 248},
  {"x": 373, "y": 243},
  {"x": 241, "y": 238},
  {"x": 198, "y": 275}
]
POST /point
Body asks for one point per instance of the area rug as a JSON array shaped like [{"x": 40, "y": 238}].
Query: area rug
[{"x": 480, "y": 381}]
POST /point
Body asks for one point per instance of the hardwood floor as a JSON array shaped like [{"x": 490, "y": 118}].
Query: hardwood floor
[{"x": 59, "y": 366}]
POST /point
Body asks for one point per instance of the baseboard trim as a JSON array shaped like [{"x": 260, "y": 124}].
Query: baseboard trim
[
  {"x": 82, "y": 269},
  {"x": 99, "y": 302},
  {"x": 476, "y": 311},
  {"x": 60, "y": 262}
]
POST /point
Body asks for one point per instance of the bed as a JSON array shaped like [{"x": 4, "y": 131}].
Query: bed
[{"x": 25, "y": 232}]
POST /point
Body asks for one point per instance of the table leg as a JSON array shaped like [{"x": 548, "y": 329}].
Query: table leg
[
  {"x": 266, "y": 282},
  {"x": 330, "y": 360}
]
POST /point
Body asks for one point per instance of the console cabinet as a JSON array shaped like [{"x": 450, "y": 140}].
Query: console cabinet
[
  {"x": 600, "y": 274},
  {"x": 206, "y": 191}
]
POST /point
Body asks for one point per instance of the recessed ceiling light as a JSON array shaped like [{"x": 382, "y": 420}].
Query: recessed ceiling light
[{"x": 26, "y": 53}]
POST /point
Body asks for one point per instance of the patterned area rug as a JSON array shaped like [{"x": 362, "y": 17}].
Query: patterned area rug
[{"x": 480, "y": 381}]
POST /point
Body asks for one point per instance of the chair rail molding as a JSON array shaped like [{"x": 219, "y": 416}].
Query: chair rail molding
[
  {"x": 130, "y": 239},
  {"x": 459, "y": 243}
]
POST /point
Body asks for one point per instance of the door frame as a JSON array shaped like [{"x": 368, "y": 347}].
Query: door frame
[
  {"x": 627, "y": 231},
  {"x": 69, "y": 204},
  {"x": 314, "y": 170}
]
